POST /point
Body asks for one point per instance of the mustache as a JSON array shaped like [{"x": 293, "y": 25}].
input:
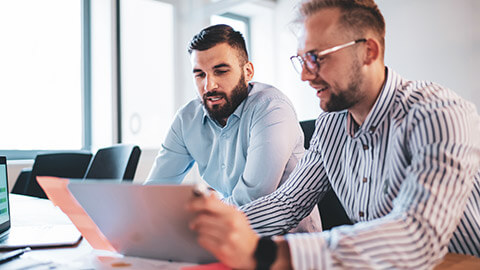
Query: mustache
[{"x": 214, "y": 93}]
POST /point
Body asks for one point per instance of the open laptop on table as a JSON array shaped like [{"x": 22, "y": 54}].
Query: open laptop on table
[{"x": 30, "y": 234}]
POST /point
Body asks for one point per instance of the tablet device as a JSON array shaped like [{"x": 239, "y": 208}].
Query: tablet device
[{"x": 140, "y": 220}]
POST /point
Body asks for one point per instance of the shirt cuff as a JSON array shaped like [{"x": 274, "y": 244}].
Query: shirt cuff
[{"x": 308, "y": 251}]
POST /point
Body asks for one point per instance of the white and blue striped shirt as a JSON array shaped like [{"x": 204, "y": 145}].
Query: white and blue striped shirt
[{"x": 408, "y": 178}]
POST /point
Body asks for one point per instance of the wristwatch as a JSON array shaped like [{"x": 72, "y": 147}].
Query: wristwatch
[{"x": 265, "y": 253}]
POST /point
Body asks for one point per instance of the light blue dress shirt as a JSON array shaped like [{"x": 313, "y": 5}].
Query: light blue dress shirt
[{"x": 248, "y": 158}]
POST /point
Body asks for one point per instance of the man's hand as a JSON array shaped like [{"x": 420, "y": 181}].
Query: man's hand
[{"x": 224, "y": 231}]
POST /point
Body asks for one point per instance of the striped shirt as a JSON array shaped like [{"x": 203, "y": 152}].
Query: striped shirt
[{"x": 408, "y": 178}]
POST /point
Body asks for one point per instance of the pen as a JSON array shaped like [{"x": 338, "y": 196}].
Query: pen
[{"x": 12, "y": 254}]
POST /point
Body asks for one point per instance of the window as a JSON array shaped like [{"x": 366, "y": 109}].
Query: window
[
  {"x": 239, "y": 23},
  {"x": 41, "y": 74},
  {"x": 147, "y": 86}
]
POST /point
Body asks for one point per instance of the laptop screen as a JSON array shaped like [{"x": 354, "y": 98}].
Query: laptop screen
[{"x": 4, "y": 206}]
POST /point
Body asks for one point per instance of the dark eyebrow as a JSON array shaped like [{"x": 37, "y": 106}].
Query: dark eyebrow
[
  {"x": 195, "y": 70},
  {"x": 221, "y": 65}
]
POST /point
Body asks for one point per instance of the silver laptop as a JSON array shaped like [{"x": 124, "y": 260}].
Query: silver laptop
[
  {"x": 27, "y": 232},
  {"x": 143, "y": 221}
]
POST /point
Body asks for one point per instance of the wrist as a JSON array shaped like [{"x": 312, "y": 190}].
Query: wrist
[{"x": 283, "y": 260}]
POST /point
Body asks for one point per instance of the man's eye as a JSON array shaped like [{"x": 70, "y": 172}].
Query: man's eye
[
  {"x": 313, "y": 58},
  {"x": 220, "y": 72},
  {"x": 199, "y": 75}
]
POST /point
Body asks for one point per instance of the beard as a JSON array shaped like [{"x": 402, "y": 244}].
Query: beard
[
  {"x": 223, "y": 111},
  {"x": 346, "y": 98}
]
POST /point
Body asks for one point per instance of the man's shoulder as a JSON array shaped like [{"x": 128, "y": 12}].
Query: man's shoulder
[
  {"x": 331, "y": 120},
  {"x": 424, "y": 96},
  {"x": 262, "y": 94}
]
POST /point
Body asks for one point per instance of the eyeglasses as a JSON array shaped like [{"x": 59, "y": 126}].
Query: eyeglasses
[{"x": 311, "y": 60}]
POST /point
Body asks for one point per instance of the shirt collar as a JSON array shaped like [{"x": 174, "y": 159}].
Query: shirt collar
[
  {"x": 238, "y": 111},
  {"x": 379, "y": 110}
]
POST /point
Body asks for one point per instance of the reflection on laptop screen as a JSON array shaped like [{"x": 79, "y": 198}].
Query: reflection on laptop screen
[{"x": 3, "y": 194}]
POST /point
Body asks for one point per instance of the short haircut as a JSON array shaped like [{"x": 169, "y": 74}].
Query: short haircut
[
  {"x": 358, "y": 16},
  {"x": 217, "y": 34}
]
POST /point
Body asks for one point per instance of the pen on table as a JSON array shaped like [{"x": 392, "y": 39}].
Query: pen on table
[{"x": 5, "y": 257}]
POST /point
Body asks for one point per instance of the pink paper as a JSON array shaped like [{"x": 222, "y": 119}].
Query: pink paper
[{"x": 57, "y": 191}]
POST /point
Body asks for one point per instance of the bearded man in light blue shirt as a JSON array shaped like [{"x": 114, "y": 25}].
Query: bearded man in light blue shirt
[{"x": 245, "y": 137}]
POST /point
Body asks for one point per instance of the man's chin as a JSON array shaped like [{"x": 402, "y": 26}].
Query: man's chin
[
  {"x": 216, "y": 111},
  {"x": 214, "y": 108}
]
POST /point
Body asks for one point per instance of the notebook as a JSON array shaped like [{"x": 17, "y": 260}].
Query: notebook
[
  {"x": 25, "y": 233},
  {"x": 131, "y": 219}
]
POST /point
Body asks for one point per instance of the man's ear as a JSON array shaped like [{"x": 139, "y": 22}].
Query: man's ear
[
  {"x": 248, "y": 71},
  {"x": 373, "y": 51}
]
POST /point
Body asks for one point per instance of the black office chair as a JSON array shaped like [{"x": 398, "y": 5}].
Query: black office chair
[
  {"x": 20, "y": 186},
  {"x": 308, "y": 127},
  {"x": 69, "y": 165},
  {"x": 115, "y": 162},
  {"x": 331, "y": 210}
]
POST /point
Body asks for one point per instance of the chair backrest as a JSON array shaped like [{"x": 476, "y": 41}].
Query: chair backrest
[
  {"x": 71, "y": 165},
  {"x": 115, "y": 162},
  {"x": 21, "y": 184},
  {"x": 331, "y": 210},
  {"x": 308, "y": 127}
]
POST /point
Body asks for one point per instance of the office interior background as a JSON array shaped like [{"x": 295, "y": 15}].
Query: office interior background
[{"x": 86, "y": 74}]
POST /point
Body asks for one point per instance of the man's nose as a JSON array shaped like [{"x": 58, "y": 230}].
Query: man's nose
[
  {"x": 210, "y": 84},
  {"x": 306, "y": 75}
]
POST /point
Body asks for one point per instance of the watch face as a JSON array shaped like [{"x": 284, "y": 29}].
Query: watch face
[{"x": 266, "y": 252}]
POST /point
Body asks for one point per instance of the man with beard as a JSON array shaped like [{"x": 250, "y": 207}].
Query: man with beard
[
  {"x": 244, "y": 137},
  {"x": 402, "y": 156}
]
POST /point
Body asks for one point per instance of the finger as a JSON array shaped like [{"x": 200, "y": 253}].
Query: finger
[
  {"x": 227, "y": 253},
  {"x": 197, "y": 204},
  {"x": 212, "y": 224},
  {"x": 210, "y": 204},
  {"x": 212, "y": 245},
  {"x": 214, "y": 235}
]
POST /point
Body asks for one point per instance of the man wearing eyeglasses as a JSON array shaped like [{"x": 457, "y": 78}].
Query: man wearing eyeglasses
[
  {"x": 402, "y": 156},
  {"x": 244, "y": 136}
]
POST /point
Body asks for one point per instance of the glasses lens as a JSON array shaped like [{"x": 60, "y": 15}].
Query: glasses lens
[
  {"x": 297, "y": 63},
  {"x": 311, "y": 62}
]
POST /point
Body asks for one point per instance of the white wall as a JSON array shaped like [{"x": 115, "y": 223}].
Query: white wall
[{"x": 435, "y": 40}]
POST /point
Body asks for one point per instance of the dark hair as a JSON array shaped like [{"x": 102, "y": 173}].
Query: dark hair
[
  {"x": 357, "y": 15},
  {"x": 216, "y": 34}
]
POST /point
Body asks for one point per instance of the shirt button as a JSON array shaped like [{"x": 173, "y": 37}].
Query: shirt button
[
  {"x": 364, "y": 180},
  {"x": 365, "y": 147},
  {"x": 371, "y": 129},
  {"x": 223, "y": 166},
  {"x": 361, "y": 214}
]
